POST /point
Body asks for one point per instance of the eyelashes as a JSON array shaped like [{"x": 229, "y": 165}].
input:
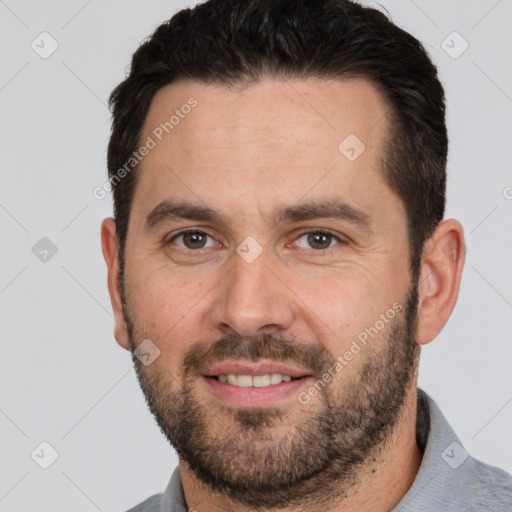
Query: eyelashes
[
  {"x": 200, "y": 237},
  {"x": 195, "y": 233}
]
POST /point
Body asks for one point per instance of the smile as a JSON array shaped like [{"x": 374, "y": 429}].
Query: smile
[
  {"x": 256, "y": 381},
  {"x": 244, "y": 383}
]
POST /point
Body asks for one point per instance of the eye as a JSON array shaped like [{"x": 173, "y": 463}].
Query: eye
[
  {"x": 317, "y": 240},
  {"x": 192, "y": 239}
]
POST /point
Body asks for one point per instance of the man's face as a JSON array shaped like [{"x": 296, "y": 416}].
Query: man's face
[{"x": 257, "y": 295}]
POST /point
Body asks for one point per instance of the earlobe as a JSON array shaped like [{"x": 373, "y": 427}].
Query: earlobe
[
  {"x": 110, "y": 249},
  {"x": 439, "y": 282}
]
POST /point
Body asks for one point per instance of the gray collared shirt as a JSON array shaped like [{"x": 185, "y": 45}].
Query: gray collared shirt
[{"x": 449, "y": 479}]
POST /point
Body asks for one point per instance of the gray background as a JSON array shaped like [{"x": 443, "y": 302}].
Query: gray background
[{"x": 64, "y": 380}]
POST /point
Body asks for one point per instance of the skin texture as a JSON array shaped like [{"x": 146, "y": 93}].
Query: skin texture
[{"x": 247, "y": 152}]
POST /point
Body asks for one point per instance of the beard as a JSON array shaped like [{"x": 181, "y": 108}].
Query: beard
[{"x": 269, "y": 457}]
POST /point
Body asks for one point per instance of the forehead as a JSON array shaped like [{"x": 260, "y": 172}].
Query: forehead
[
  {"x": 299, "y": 109},
  {"x": 271, "y": 141}
]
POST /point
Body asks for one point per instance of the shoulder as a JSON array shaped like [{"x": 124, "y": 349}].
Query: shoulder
[
  {"x": 172, "y": 499},
  {"x": 489, "y": 488},
  {"x": 151, "y": 504}
]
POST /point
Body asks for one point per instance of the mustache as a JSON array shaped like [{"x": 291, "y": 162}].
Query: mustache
[{"x": 267, "y": 346}]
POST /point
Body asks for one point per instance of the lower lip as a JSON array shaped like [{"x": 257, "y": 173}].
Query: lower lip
[{"x": 254, "y": 397}]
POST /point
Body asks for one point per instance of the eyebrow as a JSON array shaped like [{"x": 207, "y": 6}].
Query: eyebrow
[{"x": 168, "y": 211}]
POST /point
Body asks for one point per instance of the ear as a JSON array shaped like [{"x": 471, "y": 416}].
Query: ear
[
  {"x": 441, "y": 269},
  {"x": 110, "y": 248}
]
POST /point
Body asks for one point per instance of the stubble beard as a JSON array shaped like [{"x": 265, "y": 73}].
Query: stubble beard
[{"x": 266, "y": 458}]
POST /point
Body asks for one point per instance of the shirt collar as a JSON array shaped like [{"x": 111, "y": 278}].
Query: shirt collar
[{"x": 441, "y": 449}]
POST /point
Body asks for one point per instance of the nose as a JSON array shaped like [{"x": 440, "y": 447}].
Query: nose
[{"x": 252, "y": 299}]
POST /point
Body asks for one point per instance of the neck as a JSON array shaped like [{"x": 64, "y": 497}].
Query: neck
[{"x": 378, "y": 487}]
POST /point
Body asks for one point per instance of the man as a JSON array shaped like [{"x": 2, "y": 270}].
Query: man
[{"x": 278, "y": 257}]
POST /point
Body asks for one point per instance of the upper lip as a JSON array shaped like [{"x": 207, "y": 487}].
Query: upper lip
[{"x": 242, "y": 367}]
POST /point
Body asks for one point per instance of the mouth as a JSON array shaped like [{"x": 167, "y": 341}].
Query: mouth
[
  {"x": 247, "y": 384},
  {"x": 255, "y": 381}
]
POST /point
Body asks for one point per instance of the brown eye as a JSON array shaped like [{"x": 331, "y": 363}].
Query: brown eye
[
  {"x": 191, "y": 239},
  {"x": 317, "y": 240}
]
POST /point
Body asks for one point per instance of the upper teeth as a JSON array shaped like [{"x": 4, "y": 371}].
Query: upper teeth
[{"x": 258, "y": 381}]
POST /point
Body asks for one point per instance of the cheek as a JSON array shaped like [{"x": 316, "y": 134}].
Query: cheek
[
  {"x": 340, "y": 306},
  {"x": 165, "y": 307}
]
